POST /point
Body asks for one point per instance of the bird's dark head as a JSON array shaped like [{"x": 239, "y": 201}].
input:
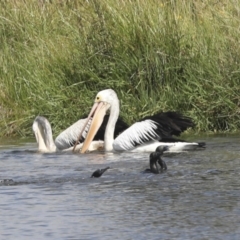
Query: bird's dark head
[
  {"x": 162, "y": 149},
  {"x": 99, "y": 172}
]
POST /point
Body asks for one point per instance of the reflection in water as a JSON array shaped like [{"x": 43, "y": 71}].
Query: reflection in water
[{"x": 52, "y": 196}]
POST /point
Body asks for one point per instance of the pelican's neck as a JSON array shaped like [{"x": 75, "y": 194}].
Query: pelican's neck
[
  {"x": 48, "y": 139},
  {"x": 43, "y": 133},
  {"x": 109, "y": 132}
]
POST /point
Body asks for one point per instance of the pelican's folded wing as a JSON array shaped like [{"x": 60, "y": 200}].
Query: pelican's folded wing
[
  {"x": 139, "y": 133},
  {"x": 68, "y": 137}
]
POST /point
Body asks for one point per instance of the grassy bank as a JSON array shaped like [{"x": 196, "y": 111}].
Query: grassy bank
[{"x": 158, "y": 55}]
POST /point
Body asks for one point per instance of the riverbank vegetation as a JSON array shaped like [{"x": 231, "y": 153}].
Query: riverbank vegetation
[{"x": 158, "y": 55}]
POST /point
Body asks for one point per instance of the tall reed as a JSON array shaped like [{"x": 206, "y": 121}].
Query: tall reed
[{"x": 158, "y": 55}]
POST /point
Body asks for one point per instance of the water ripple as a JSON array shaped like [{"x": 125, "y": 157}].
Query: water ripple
[{"x": 51, "y": 196}]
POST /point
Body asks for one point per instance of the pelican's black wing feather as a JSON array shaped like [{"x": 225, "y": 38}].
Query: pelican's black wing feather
[{"x": 171, "y": 123}]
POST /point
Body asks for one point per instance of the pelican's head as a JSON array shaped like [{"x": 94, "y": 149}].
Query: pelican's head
[
  {"x": 104, "y": 101},
  {"x": 107, "y": 96}
]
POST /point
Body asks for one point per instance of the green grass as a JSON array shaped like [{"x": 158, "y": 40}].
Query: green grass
[{"x": 157, "y": 55}]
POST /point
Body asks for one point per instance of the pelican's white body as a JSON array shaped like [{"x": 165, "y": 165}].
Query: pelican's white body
[{"x": 140, "y": 137}]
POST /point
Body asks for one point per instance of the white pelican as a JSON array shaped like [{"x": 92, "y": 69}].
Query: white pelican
[
  {"x": 142, "y": 136},
  {"x": 65, "y": 140}
]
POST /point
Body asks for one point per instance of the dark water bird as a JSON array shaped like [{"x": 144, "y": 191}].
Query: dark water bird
[
  {"x": 156, "y": 163},
  {"x": 98, "y": 173}
]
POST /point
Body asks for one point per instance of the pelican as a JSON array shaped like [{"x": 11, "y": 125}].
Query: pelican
[
  {"x": 65, "y": 140},
  {"x": 142, "y": 136}
]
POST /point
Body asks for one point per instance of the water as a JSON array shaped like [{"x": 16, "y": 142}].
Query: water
[{"x": 51, "y": 196}]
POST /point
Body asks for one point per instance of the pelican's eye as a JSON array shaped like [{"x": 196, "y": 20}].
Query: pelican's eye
[{"x": 97, "y": 98}]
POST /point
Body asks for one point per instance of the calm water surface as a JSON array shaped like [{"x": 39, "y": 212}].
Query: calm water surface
[{"x": 51, "y": 196}]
